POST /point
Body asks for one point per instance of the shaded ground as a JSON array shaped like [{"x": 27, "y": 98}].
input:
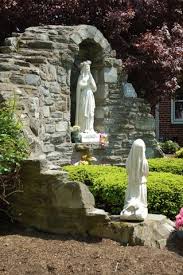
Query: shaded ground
[{"x": 30, "y": 252}]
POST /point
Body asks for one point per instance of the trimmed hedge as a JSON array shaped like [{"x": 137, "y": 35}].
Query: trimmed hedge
[
  {"x": 170, "y": 165},
  {"x": 89, "y": 173},
  {"x": 108, "y": 185}
]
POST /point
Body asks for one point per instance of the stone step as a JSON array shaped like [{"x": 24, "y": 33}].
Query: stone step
[{"x": 155, "y": 231}]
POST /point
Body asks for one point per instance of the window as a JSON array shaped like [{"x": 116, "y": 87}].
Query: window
[{"x": 177, "y": 111}]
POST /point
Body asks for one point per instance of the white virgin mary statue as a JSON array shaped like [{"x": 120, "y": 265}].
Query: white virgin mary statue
[
  {"x": 85, "y": 101},
  {"x": 135, "y": 205}
]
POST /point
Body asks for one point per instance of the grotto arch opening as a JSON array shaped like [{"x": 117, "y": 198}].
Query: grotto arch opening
[{"x": 88, "y": 50}]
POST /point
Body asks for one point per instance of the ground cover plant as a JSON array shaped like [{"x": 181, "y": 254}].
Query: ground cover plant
[{"x": 108, "y": 185}]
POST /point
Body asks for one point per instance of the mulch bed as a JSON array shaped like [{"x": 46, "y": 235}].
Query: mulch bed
[{"x": 29, "y": 252}]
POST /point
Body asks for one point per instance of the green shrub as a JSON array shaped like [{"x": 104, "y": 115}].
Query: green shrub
[
  {"x": 109, "y": 191},
  {"x": 89, "y": 173},
  {"x": 169, "y": 146},
  {"x": 165, "y": 193},
  {"x": 108, "y": 185},
  {"x": 13, "y": 149},
  {"x": 179, "y": 153},
  {"x": 170, "y": 165},
  {"x": 13, "y": 146}
]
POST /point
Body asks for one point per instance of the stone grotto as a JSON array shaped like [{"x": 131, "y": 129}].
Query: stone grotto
[{"x": 39, "y": 69}]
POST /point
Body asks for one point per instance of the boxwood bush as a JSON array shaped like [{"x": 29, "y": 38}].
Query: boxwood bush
[
  {"x": 172, "y": 165},
  {"x": 108, "y": 185}
]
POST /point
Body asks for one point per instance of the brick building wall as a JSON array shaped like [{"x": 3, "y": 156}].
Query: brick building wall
[{"x": 167, "y": 130}]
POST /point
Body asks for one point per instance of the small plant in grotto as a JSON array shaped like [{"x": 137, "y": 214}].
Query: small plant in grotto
[
  {"x": 179, "y": 220},
  {"x": 86, "y": 159},
  {"x": 103, "y": 139}
]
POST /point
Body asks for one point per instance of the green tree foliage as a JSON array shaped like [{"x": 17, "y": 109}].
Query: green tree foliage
[{"x": 148, "y": 35}]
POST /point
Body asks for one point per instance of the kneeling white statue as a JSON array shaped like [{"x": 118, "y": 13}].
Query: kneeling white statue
[{"x": 135, "y": 206}]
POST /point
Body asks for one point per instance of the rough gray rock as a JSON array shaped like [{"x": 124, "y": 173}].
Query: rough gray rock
[
  {"x": 52, "y": 203},
  {"x": 154, "y": 231}
]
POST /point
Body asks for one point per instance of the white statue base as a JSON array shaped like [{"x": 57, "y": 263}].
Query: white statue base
[
  {"x": 90, "y": 137},
  {"x": 135, "y": 211}
]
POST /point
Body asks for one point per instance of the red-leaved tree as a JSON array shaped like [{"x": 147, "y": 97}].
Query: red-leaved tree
[{"x": 147, "y": 34}]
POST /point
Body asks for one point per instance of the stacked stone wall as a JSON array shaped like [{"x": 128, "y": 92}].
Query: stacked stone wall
[{"x": 35, "y": 68}]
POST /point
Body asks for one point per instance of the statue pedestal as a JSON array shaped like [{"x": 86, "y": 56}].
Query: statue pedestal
[{"x": 91, "y": 137}]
